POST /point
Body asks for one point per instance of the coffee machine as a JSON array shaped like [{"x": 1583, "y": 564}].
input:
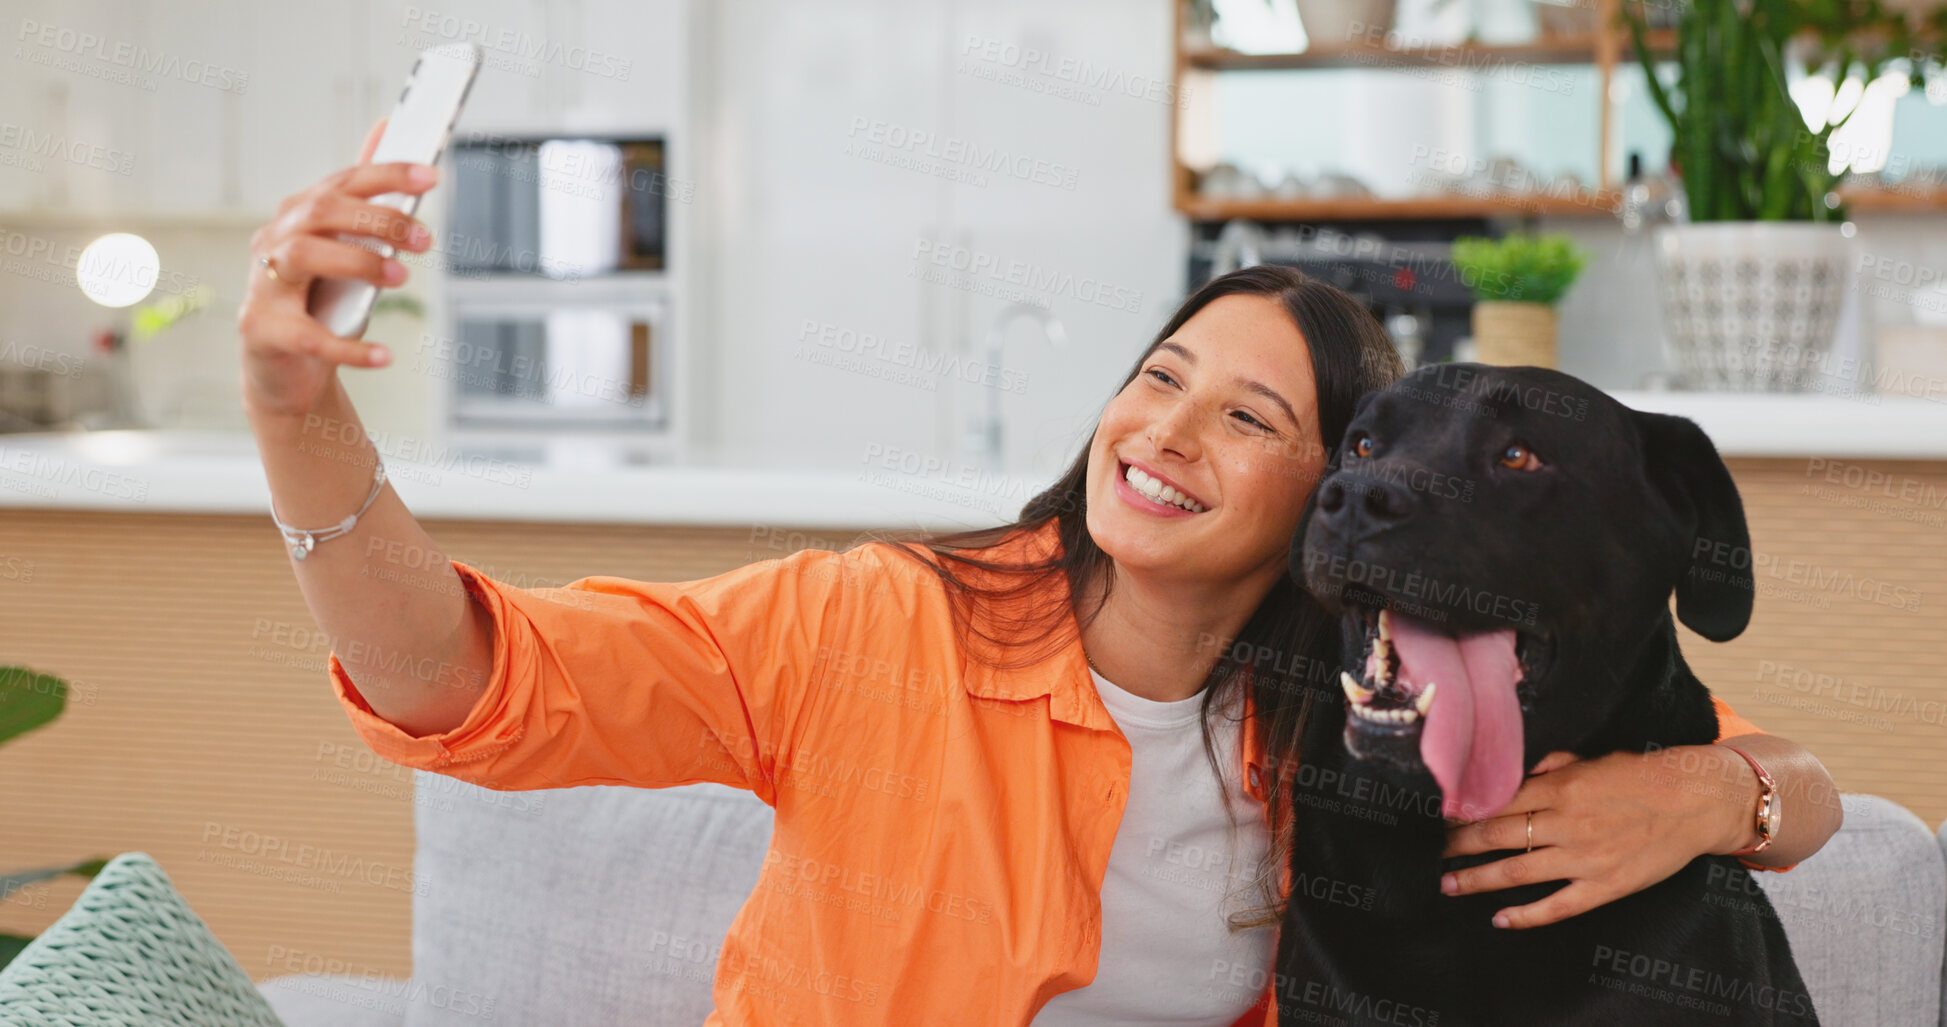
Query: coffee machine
[{"x": 1402, "y": 271}]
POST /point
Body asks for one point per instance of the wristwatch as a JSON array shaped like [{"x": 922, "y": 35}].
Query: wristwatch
[{"x": 1770, "y": 812}]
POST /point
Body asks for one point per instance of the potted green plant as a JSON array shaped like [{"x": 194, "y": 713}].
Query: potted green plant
[
  {"x": 1752, "y": 284},
  {"x": 1345, "y": 23},
  {"x": 1516, "y": 282},
  {"x": 27, "y": 701}
]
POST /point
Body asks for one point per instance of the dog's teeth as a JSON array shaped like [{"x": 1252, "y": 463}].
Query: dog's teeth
[
  {"x": 1399, "y": 716},
  {"x": 1424, "y": 701},
  {"x": 1359, "y": 694}
]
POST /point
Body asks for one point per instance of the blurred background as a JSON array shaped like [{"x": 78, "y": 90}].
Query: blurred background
[{"x": 715, "y": 281}]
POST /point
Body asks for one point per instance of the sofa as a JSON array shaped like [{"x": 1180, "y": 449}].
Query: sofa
[{"x": 603, "y": 905}]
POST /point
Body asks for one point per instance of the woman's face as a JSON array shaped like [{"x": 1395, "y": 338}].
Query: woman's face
[{"x": 1226, "y": 411}]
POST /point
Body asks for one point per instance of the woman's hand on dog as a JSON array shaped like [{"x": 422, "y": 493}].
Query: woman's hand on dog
[{"x": 1609, "y": 826}]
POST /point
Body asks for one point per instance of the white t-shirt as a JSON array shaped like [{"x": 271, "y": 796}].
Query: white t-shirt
[{"x": 1166, "y": 950}]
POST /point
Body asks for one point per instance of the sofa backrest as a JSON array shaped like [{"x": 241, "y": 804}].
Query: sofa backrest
[
  {"x": 1865, "y": 918},
  {"x": 601, "y": 905},
  {"x": 591, "y": 905},
  {"x": 1943, "y": 971}
]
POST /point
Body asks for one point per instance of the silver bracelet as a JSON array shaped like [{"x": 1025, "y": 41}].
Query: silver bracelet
[{"x": 302, "y": 541}]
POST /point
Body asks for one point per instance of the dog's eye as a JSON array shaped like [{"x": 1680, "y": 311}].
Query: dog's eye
[
  {"x": 1520, "y": 457},
  {"x": 1362, "y": 446}
]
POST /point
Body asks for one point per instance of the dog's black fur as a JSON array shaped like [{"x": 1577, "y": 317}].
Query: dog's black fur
[{"x": 1581, "y": 556}]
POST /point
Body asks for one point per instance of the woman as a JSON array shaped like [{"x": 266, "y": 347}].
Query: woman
[{"x": 1019, "y": 774}]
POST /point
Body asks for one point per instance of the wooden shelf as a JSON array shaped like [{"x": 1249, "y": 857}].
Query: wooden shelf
[
  {"x": 1601, "y": 203},
  {"x": 1457, "y": 57},
  {"x": 1603, "y": 49},
  {"x": 1894, "y": 200},
  {"x": 1596, "y": 204}
]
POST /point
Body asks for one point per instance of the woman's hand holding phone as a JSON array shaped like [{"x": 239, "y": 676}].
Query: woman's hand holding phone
[
  {"x": 289, "y": 358},
  {"x": 319, "y": 253}
]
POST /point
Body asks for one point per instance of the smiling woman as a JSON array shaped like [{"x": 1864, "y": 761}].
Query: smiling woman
[
  {"x": 1174, "y": 528},
  {"x": 1074, "y": 804},
  {"x": 1199, "y": 433}
]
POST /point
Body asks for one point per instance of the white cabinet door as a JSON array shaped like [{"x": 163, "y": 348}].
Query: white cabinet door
[
  {"x": 130, "y": 79},
  {"x": 821, "y": 351},
  {"x": 520, "y": 72},
  {"x": 1070, "y": 213},
  {"x": 205, "y": 66},
  {"x": 617, "y": 66},
  {"x": 313, "y": 94}
]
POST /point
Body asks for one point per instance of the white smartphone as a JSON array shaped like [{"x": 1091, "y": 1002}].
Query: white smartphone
[{"x": 418, "y": 130}]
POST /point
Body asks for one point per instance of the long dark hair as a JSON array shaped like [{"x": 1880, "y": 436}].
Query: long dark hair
[{"x": 1287, "y": 645}]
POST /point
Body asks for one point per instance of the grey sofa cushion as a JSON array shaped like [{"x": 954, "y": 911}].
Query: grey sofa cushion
[
  {"x": 604, "y": 905},
  {"x": 591, "y": 905},
  {"x": 1864, "y": 918}
]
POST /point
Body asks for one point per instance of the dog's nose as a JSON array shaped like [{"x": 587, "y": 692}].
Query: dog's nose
[
  {"x": 1373, "y": 502},
  {"x": 1386, "y": 502}
]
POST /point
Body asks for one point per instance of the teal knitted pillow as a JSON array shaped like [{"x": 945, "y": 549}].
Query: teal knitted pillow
[{"x": 129, "y": 954}]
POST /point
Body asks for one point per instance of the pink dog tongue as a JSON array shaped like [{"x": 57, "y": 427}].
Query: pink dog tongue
[{"x": 1471, "y": 740}]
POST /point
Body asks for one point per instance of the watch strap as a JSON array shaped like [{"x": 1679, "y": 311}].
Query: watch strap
[{"x": 1767, "y": 795}]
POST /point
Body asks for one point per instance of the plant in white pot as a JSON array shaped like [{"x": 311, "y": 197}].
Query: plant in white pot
[
  {"x": 1753, "y": 283},
  {"x": 1336, "y": 23},
  {"x": 1516, "y": 282}
]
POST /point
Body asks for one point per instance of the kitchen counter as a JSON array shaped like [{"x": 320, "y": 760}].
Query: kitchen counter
[
  {"x": 218, "y": 472},
  {"x": 1758, "y": 424}
]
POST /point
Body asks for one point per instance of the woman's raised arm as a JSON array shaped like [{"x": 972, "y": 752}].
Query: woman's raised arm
[{"x": 418, "y": 647}]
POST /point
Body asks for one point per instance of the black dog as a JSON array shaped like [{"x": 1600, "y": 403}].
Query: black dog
[{"x": 1501, "y": 545}]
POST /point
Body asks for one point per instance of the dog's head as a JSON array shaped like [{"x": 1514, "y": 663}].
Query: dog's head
[{"x": 1501, "y": 543}]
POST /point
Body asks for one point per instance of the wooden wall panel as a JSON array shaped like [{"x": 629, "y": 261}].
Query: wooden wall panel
[
  {"x": 1847, "y": 651},
  {"x": 202, "y": 729}
]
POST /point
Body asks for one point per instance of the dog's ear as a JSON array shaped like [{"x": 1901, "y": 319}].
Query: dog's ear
[{"x": 1714, "y": 596}]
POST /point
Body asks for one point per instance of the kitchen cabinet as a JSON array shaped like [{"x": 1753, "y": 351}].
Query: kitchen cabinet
[
  {"x": 302, "y": 116},
  {"x": 799, "y": 183},
  {"x": 215, "y": 113},
  {"x": 252, "y": 101},
  {"x": 1074, "y": 95},
  {"x": 892, "y": 191},
  {"x": 814, "y": 236},
  {"x": 92, "y": 76}
]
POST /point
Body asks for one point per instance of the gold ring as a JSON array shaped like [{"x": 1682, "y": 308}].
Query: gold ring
[
  {"x": 269, "y": 269},
  {"x": 1531, "y": 830}
]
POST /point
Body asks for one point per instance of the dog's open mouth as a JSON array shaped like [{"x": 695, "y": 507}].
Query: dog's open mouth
[{"x": 1445, "y": 701}]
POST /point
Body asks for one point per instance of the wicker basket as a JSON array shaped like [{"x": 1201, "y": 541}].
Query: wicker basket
[{"x": 1514, "y": 334}]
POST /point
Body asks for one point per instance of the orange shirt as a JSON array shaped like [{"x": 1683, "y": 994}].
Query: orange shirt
[{"x": 942, "y": 827}]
